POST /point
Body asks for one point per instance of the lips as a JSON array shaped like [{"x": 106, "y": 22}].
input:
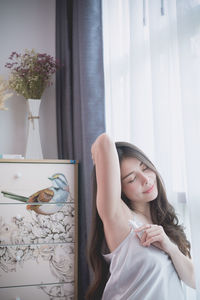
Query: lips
[{"x": 149, "y": 190}]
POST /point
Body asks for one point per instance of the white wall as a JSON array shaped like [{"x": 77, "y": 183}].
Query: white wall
[{"x": 27, "y": 24}]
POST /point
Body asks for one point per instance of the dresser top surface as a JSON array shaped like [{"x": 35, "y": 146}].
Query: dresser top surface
[{"x": 41, "y": 161}]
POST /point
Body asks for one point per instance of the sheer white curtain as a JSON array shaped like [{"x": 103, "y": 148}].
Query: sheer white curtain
[{"x": 152, "y": 74}]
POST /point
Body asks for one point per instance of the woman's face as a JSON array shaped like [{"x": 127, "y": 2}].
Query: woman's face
[{"x": 139, "y": 183}]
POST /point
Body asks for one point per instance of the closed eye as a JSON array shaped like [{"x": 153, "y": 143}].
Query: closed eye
[
  {"x": 145, "y": 169},
  {"x": 132, "y": 180}
]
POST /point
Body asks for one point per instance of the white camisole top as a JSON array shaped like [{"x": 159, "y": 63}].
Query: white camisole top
[{"x": 141, "y": 273}]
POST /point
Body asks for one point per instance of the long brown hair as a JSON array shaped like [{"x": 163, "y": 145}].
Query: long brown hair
[{"x": 162, "y": 213}]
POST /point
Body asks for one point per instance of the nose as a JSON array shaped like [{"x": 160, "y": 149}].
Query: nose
[{"x": 144, "y": 179}]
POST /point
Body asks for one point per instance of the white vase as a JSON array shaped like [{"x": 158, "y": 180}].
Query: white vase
[{"x": 33, "y": 146}]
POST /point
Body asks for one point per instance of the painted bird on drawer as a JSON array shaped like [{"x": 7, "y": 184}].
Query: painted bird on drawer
[{"x": 50, "y": 200}]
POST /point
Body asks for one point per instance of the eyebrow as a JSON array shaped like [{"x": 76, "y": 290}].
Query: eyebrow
[{"x": 141, "y": 163}]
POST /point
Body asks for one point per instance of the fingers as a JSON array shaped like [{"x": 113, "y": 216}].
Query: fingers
[
  {"x": 151, "y": 233},
  {"x": 153, "y": 239},
  {"x": 143, "y": 238},
  {"x": 143, "y": 227},
  {"x": 150, "y": 236},
  {"x": 149, "y": 228}
]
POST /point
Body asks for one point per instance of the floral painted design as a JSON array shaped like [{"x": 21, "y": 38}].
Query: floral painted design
[
  {"x": 59, "y": 292},
  {"x": 35, "y": 237}
]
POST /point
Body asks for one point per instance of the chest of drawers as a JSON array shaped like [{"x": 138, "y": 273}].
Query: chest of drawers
[{"x": 38, "y": 229}]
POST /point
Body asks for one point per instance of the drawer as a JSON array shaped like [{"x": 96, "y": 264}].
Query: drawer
[
  {"x": 40, "y": 292},
  {"x": 45, "y": 196},
  {"x": 36, "y": 264},
  {"x": 25, "y": 178},
  {"x": 21, "y": 226}
]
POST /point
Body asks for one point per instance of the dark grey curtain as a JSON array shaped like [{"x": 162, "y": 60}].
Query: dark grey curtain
[{"x": 80, "y": 101}]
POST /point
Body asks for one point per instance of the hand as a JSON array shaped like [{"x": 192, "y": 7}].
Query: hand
[{"x": 156, "y": 236}]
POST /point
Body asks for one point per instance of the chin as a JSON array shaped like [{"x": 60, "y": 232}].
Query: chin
[{"x": 154, "y": 196}]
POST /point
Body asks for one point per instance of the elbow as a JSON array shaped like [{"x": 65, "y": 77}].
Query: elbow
[
  {"x": 193, "y": 283},
  {"x": 190, "y": 281},
  {"x": 102, "y": 143},
  {"x": 103, "y": 139},
  {"x": 193, "y": 279}
]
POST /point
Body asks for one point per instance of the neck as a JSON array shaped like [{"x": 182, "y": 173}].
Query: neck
[{"x": 144, "y": 210}]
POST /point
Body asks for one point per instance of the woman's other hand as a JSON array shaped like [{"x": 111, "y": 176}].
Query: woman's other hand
[{"x": 156, "y": 236}]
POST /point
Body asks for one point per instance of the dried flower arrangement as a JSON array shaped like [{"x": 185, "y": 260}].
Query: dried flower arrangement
[{"x": 31, "y": 73}]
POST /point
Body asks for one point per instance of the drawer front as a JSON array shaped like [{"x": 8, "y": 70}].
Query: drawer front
[
  {"x": 40, "y": 292},
  {"x": 36, "y": 264},
  {"x": 18, "y": 225},
  {"x": 25, "y": 179},
  {"x": 38, "y": 240}
]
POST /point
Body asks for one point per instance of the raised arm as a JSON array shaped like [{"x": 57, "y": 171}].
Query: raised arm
[{"x": 106, "y": 162}]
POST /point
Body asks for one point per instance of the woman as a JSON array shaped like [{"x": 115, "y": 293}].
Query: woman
[{"x": 128, "y": 189}]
